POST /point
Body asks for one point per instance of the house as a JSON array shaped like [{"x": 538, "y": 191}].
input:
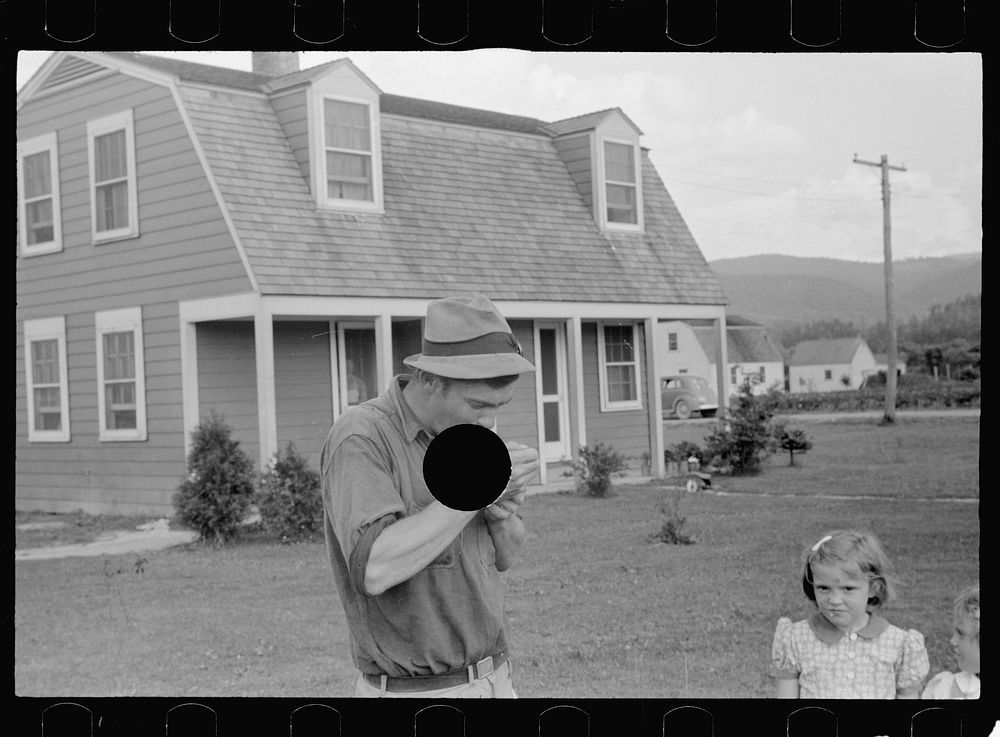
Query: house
[
  {"x": 882, "y": 363},
  {"x": 753, "y": 355},
  {"x": 264, "y": 245},
  {"x": 681, "y": 352},
  {"x": 829, "y": 365}
]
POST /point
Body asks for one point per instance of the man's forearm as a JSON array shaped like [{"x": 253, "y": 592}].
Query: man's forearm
[
  {"x": 406, "y": 547},
  {"x": 508, "y": 535}
]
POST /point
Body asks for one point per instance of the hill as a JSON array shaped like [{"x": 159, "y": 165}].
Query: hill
[{"x": 782, "y": 291}]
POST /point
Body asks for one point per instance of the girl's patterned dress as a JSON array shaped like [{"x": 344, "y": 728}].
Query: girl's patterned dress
[{"x": 873, "y": 663}]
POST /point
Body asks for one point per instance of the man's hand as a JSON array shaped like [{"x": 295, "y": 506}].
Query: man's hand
[
  {"x": 504, "y": 508},
  {"x": 524, "y": 465}
]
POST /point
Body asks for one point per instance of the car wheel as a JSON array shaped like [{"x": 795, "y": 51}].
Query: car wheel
[
  {"x": 682, "y": 409},
  {"x": 708, "y": 413}
]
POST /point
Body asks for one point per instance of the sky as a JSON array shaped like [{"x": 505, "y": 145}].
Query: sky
[{"x": 756, "y": 149}]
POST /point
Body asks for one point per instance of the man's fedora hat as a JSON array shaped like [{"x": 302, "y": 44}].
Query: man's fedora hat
[{"x": 468, "y": 338}]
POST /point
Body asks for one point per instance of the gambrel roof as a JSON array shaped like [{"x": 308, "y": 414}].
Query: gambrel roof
[
  {"x": 474, "y": 200},
  {"x": 825, "y": 352}
]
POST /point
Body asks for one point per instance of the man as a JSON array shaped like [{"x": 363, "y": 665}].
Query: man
[{"x": 420, "y": 581}]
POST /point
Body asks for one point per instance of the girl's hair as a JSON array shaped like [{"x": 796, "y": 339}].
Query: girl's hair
[
  {"x": 841, "y": 547},
  {"x": 967, "y": 605}
]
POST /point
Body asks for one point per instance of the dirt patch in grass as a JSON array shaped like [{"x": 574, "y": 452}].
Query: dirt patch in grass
[{"x": 42, "y": 529}]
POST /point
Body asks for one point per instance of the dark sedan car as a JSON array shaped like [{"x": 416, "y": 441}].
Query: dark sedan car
[{"x": 686, "y": 393}]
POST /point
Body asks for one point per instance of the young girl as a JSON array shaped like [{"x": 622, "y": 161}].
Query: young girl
[
  {"x": 965, "y": 641},
  {"x": 846, "y": 650}
]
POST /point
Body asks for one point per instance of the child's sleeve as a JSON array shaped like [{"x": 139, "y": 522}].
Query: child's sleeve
[
  {"x": 784, "y": 660},
  {"x": 913, "y": 665}
]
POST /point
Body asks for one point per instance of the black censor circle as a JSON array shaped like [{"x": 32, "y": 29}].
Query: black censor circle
[{"x": 467, "y": 467}]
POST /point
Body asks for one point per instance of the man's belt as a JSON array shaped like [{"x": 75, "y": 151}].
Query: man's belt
[{"x": 445, "y": 680}]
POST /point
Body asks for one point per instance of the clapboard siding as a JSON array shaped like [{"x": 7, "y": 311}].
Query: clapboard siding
[
  {"x": 291, "y": 111},
  {"x": 302, "y": 385},
  {"x": 626, "y": 431},
  {"x": 94, "y": 475},
  {"x": 227, "y": 379},
  {"x": 518, "y": 421},
  {"x": 179, "y": 215}
]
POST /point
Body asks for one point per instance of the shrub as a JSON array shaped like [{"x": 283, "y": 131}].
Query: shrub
[
  {"x": 289, "y": 497},
  {"x": 683, "y": 451},
  {"x": 595, "y": 467},
  {"x": 745, "y": 437},
  {"x": 672, "y": 528},
  {"x": 791, "y": 439},
  {"x": 215, "y": 497}
]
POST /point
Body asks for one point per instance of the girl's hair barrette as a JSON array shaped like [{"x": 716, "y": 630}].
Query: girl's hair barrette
[{"x": 822, "y": 540}]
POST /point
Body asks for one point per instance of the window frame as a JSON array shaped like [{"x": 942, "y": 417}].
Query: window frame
[
  {"x": 123, "y": 120},
  {"x": 119, "y": 321},
  {"x": 29, "y": 147},
  {"x": 38, "y": 330},
  {"x": 606, "y": 223},
  {"x": 375, "y": 135},
  {"x": 620, "y": 406}
]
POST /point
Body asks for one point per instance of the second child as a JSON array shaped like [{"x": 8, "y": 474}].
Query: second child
[{"x": 846, "y": 649}]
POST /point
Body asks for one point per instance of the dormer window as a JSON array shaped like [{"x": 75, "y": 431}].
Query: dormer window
[
  {"x": 350, "y": 163},
  {"x": 620, "y": 182},
  {"x": 348, "y": 150}
]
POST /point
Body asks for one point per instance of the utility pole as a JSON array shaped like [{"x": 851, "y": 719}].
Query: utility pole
[{"x": 890, "y": 319}]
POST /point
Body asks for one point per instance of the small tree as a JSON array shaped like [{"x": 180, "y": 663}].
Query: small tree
[
  {"x": 595, "y": 467},
  {"x": 744, "y": 438},
  {"x": 289, "y": 498},
  {"x": 794, "y": 440},
  {"x": 672, "y": 526},
  {"x": 216, "y": 496}
]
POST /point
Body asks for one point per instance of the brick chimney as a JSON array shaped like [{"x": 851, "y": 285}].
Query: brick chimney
[{"x": 275, "y": 63}]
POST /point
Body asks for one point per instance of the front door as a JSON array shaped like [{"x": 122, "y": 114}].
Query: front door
[{"x": 550, "y": 350}]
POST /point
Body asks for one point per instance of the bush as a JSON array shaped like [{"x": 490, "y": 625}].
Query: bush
[
  {"x": 216, "y": 496},
  {"x": 791, "y": 439},
  {"x": 745, "y": 437},
  {"x": 595, "y": 467},
  {"x": 672, "y": 528},
  {"x": 289, "y": 497}
]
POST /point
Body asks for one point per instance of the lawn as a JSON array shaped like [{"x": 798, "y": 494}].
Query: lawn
[{"x": 595, "y": 608}]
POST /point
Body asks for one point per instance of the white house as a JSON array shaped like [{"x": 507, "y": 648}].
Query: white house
[
  {"x": 680, "y": 351},
  {"x": 753, "y": 355},
  {"x": 829, "y": 365}
]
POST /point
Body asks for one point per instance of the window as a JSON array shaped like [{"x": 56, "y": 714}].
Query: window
[
  {"x": 619, "y": 365},
  {"x": 113, "y": 203},
  {"x": 348, "y": 156},
  {"x": 46, "y": 384},
  {"x": 672, "y": 341},
  {"x": 121, "y": 386},
  {"x": 761, "y": 375},
  {"x": 828, "y": 374},
  {"x": 357, "y": 363},
  {"x": 732, "y": 375},
  {"x": 38, "y": 195},
  {"x": 620, "y": 185}
]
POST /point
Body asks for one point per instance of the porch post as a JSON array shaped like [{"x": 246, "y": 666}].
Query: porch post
[
  {"x": 655, "y": 402},
  {"x": 722, "y": 365},
  {"x": 267, "y": 428},
  {"x": 189, "y": 381},
  {"x": 577, "y": 410},
  {"x": 383, "y": 351}
]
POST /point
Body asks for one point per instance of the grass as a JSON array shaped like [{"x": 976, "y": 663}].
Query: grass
[{"x": 595, "y": 609}]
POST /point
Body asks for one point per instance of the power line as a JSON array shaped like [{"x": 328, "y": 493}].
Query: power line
[{"x": 762, "y": 194}]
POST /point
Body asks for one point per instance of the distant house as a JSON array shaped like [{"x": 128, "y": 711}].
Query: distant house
[
  {"x": 680, "y": 351},
  {"x": 829, "y": 365},
  {"x": 264, "y": 244},
  {"x": 753, "y": 355},
  {"x": 882, "y": 363}
]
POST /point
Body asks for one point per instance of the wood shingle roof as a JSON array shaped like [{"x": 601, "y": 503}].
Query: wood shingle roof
[
  {"x": 825, "y": 352},
  {"x": 474, "y": 207}
]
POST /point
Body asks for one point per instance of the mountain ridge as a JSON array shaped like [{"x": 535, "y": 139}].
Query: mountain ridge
[{"x": 781, "y": 291}]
